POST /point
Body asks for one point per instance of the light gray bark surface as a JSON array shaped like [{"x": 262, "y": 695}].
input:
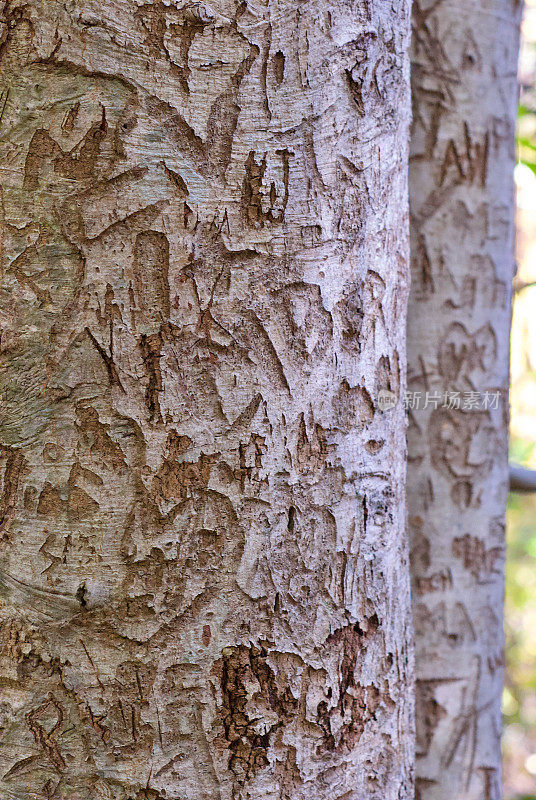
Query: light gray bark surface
[
  {"x": 462, "y": 215},
  {"x": 203, "y": 565}
]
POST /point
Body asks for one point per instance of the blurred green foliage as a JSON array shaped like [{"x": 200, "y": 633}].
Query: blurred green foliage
[
  {"x": 519, "y": 700},
  {"x": 526, "y": 128}
]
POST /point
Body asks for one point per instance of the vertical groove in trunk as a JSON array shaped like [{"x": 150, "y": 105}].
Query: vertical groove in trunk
[
  {"x": 464, "y": 87},
  {"x": 203, "y": 289}
]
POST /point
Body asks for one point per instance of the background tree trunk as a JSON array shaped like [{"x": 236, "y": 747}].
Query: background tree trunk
[
  {"x": 204, "y": 249},
  {"x": 462, "y": 215}
]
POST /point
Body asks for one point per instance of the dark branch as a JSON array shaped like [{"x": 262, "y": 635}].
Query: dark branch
[{"x": 521, "y": 479}]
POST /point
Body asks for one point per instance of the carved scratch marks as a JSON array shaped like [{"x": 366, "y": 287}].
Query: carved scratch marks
[
  {"x": 469, "y": 164},
  {"x": 79, "y": 164},
  {"x": 312, "y": 449},
  {"x": 108, "y": 361},
  {"x": 459, "y": 731},
  {"x": 25, "y": 268},
  {"x": 279, "y": 67},
  {"x": 480, "y": 560},
  {"x": 4, "y": 97},
  {"x": 151, "y": 352},
  {"x": 444, "y": 623},
  {"x": 421, "y": 267},
  {"x": 78, "y": 504},
  {"x": 464, "y": 354},
  {"x": 423, "y": 580},
  {"x": 152, "y": 293},
  {"x": 173, "y": 34},
  {"x": 462, "y": 448},
  {"x": 45, "y": 737},
  {"x": 353, "y": 406},
  {"x": 430, "y": 56},
  {"x": 210, "y": 259},
  {"x": 151, "y": 277},
  {"x": 17, "y": 37},
  {"x": 70, "y": 146},
  {"x": 429, "y": 714},
  {"x": 97, "y": 435},
  {"x": 42, "y": 147},
  {"x": 132, "y": 689},
  {"x": 458, "y": 320},
  {"x": 224, "y": 114},
  {"x": 303, "y": 321},
  {"x": 178, "y": 478},
  {"x": 372, "y": 71}
]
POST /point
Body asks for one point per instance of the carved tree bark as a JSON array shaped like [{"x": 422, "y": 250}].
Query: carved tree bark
[
  {"x": 204, "y": 249},
  {"x": 462, "y": 217}
]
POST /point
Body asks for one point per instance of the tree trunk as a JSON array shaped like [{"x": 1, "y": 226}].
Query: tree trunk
[
  {"x": 462, "y": 216},
  {"x": 204, "y": 249}
]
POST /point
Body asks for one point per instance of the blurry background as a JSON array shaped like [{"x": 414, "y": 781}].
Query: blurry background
[{"x": 519, "y": 699}]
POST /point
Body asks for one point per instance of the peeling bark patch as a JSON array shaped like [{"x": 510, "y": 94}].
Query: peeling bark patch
[
  {"x": 253, "y": 707},
  {"x": 151, "y": 349},
  {"x": 12, "y": 474},
  {"x": 343, "y": 724},
  {"x": 265, "y": 201}
]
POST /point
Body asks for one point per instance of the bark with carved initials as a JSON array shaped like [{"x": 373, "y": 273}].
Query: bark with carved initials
[
  {"x": 204, "y": 247},
  {"x": 464, "y": 86}
]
